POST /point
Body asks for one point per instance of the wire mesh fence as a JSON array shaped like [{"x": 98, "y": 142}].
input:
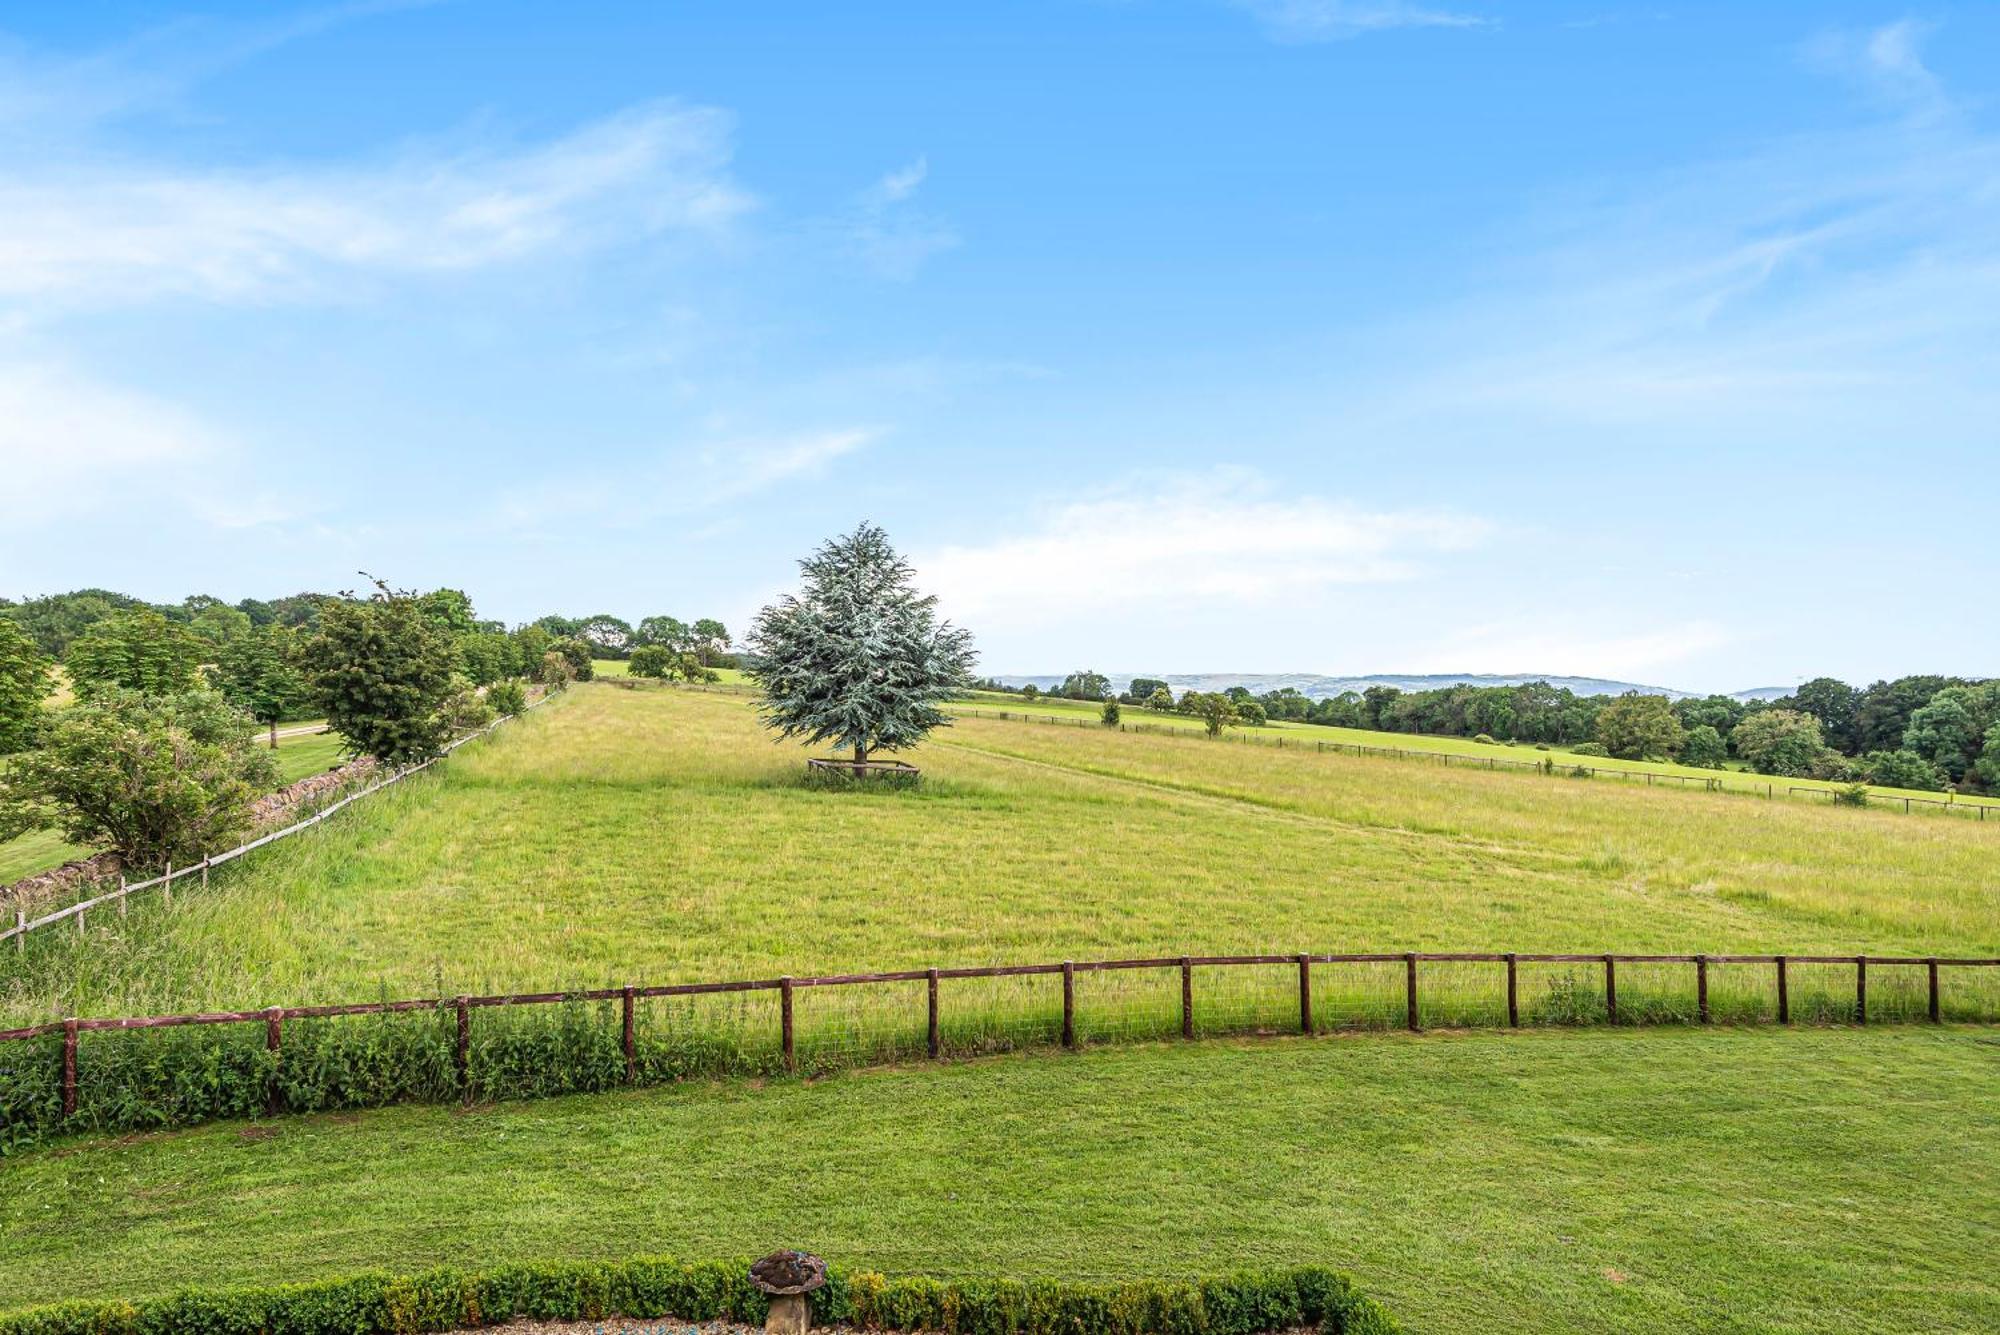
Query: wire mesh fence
[{"x": 179, "y": 1069}]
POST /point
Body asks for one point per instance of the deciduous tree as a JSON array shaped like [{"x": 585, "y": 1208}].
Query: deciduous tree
[
  {"x": 135, "y": 651},
  {"x": 382, "y": 668}
]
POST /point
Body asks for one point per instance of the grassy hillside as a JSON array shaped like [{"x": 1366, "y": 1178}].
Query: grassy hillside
[
  {"x": 1723, "y": 1180},
  {"x": 1736, "y": 779},
  {"x": 661, "y": 836}
]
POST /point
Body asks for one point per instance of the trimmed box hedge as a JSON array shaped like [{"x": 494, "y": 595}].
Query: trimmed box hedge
[{"x": 1247, "y": 1303}]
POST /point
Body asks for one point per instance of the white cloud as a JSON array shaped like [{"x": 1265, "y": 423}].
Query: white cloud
[
  {"x": 114, "y": 231},
  {"x": 887, "y": 233},
  {"x": 1572, "y": 650},
  {"x": 682, "y": 483},
  {"x": 1888, "y": 62},
  {"x": 66, "y": 440},
  {"x": 1333, "y": 20},
  {"x": 1217, "y": 538}
]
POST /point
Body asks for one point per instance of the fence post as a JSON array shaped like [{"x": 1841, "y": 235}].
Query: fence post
[
  {"x": 785, "y": 1021},
  {"x": 20, "y": 931},
  {"x": 1861, "y": 989},
  {"x": 1701, "y": 987},
  {"x": 631, "y": 1037},
  {"x": 464, "y": 1050},
  {"x": 274, "y": 1092},
  {"x": 1187, "y": 997},
  {"x": 1610, "y": 990},
  {"x": 1513, "y": 997},
  {"x": 1784, "y": 998},
  {"x": 204, "y": 873},
  {"x": 1931, "y": 966},
  {"x": 1069, "y": 1004},
  {"x": 1305, "y": 994},
  {"x": 122, "y": 906},
  {"x": 167, "y": 885},
  {"x": 69, "y": 1069},
  {"x": 932, "y": 1035},
  {"x": 1410, "y": 988}
]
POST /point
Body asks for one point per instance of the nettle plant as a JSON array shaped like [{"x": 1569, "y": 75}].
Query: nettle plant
[{"x": 858, "y": 657}]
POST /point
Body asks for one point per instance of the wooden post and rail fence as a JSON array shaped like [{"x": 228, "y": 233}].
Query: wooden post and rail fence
[{"x": 273, "y": 1018}]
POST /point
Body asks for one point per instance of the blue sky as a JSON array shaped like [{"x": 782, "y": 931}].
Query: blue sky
[{"x": 1660, "y": 342}]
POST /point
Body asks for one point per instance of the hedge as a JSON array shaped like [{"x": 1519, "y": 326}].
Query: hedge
[{"x": 1248, "y": 1303}]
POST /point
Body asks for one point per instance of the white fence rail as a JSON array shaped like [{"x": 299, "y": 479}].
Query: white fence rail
[{"x": 23, "y": 924}]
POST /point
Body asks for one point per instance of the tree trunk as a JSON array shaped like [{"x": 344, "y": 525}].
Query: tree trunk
[
  {"x": 860, "y": 759},
  {"x": 274, "y": 734}
]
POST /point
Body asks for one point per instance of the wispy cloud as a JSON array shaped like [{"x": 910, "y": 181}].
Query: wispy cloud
[
  {"x": 104, "y": 231},
  {"x": 1888, "y": 63},
  {"x": 1220, "y": 537},
  {"x": 1335, "y": 20},
  {"x": 888, "y": 233},
  {"x": 701, "y": 481},
  {"x": 65, "y": 437}
]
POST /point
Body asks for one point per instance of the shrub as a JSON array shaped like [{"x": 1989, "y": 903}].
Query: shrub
[
  {"x": 1485, "y": 739},
  {"x": 1109, "y": 715},
  {"x": 507, "y": 697},
  {"x": 376, "y": 1303},
  {"x": 554, "y": 672},
  {"x": 156, "y": 778},
  {"x": 1901, "y": 769},
  {"x": 1779, "y": 741},
  {"x": 1590, "y": 749},
  {"x": 1853, "y": 795},
  {"x": 576, "y": 654},
  {"x": 384, "y": 671},
  {"x": 650, "y": 660}
]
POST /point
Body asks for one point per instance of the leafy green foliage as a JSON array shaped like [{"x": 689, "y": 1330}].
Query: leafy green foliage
[
  {"x": 554, "y": 672},
  {"x": 1084, "y": 685},
  {"x": 1779, "y": 741},
  {"x": 1640, "y": 727},
  {"x": 157, "y": 778},
  {"x": 858, "y": 657},
  {"x": 24, "y": 683},
  {"x": 1945, "y": 733},
  {"x": 489, "y": 656},
  {"x": 507, "y": 697},
  {"x": 135, "y": 651},
  {"x": 1704, "y": 747},
  {"x": 255, "y": 672},
  {"x": 576, "y": 654},
  {"x": 1901, "y": 769},
  {"x": 1215, "y": 710},
  {"x": 1109, "y": 714},
  {"x": 382, "y": 669},
  {"x": 1245, "y": 1303}
]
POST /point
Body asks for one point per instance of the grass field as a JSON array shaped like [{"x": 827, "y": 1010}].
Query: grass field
[
  {"x": 660, "y": 836},
  {"x": 298, "y": 755},
  {"x": 1703, "y": 1179},
  {"x": 1721, "y": 1180},
  {"x": 1736, "y": 779}
]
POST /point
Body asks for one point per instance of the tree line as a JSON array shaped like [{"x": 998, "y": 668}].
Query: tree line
[{"x": 1924, "y": 732}]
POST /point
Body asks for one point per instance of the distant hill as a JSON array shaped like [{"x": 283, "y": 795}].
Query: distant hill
[{"x": 1316, "y": 686}]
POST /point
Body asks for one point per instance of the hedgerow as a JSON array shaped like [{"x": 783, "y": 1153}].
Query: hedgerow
[{"x": 444, "y": 1299}]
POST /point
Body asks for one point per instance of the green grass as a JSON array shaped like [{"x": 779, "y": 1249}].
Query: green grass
[
  {"x": 298, "y": 756},
  {"x": 1720, "y": 1180},
  {"x": 1735, "y": 779},
  {"x": 660, "y": 836}
]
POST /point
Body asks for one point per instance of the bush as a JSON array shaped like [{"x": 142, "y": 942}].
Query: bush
[
  {"x": 507, "y": 697},
  {"x": 1901, "y": 769},
  {"x": 1854, "y": 795},
  {"x": 156, "y": 778},
  {"x": 577, "y": 655},
  {"x": 376, "y": 1303},
  {"x": 1485, "y": 739},
  {"x": 554, "y": 672},
  {"x": 650, "y": 660},
  {"x": 384, "y": 671},
  {"x": 1590, "y": 749},
  {"x": 1110, "y": 715}
]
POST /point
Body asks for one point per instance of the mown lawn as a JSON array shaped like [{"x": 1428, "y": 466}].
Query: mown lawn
[
  {"x": 660, "y": 836},
  {"x": 1718, "y": 1180}
]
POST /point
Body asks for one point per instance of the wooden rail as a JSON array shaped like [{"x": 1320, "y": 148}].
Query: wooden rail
[{"x": 274, "y": 1017}]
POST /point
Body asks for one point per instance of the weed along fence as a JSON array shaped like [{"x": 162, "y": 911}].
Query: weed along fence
[
  {"x": 1719, "y": 782},
  {"x": 164, "y": 883},
  {"x": 164, "y": 1070}
]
